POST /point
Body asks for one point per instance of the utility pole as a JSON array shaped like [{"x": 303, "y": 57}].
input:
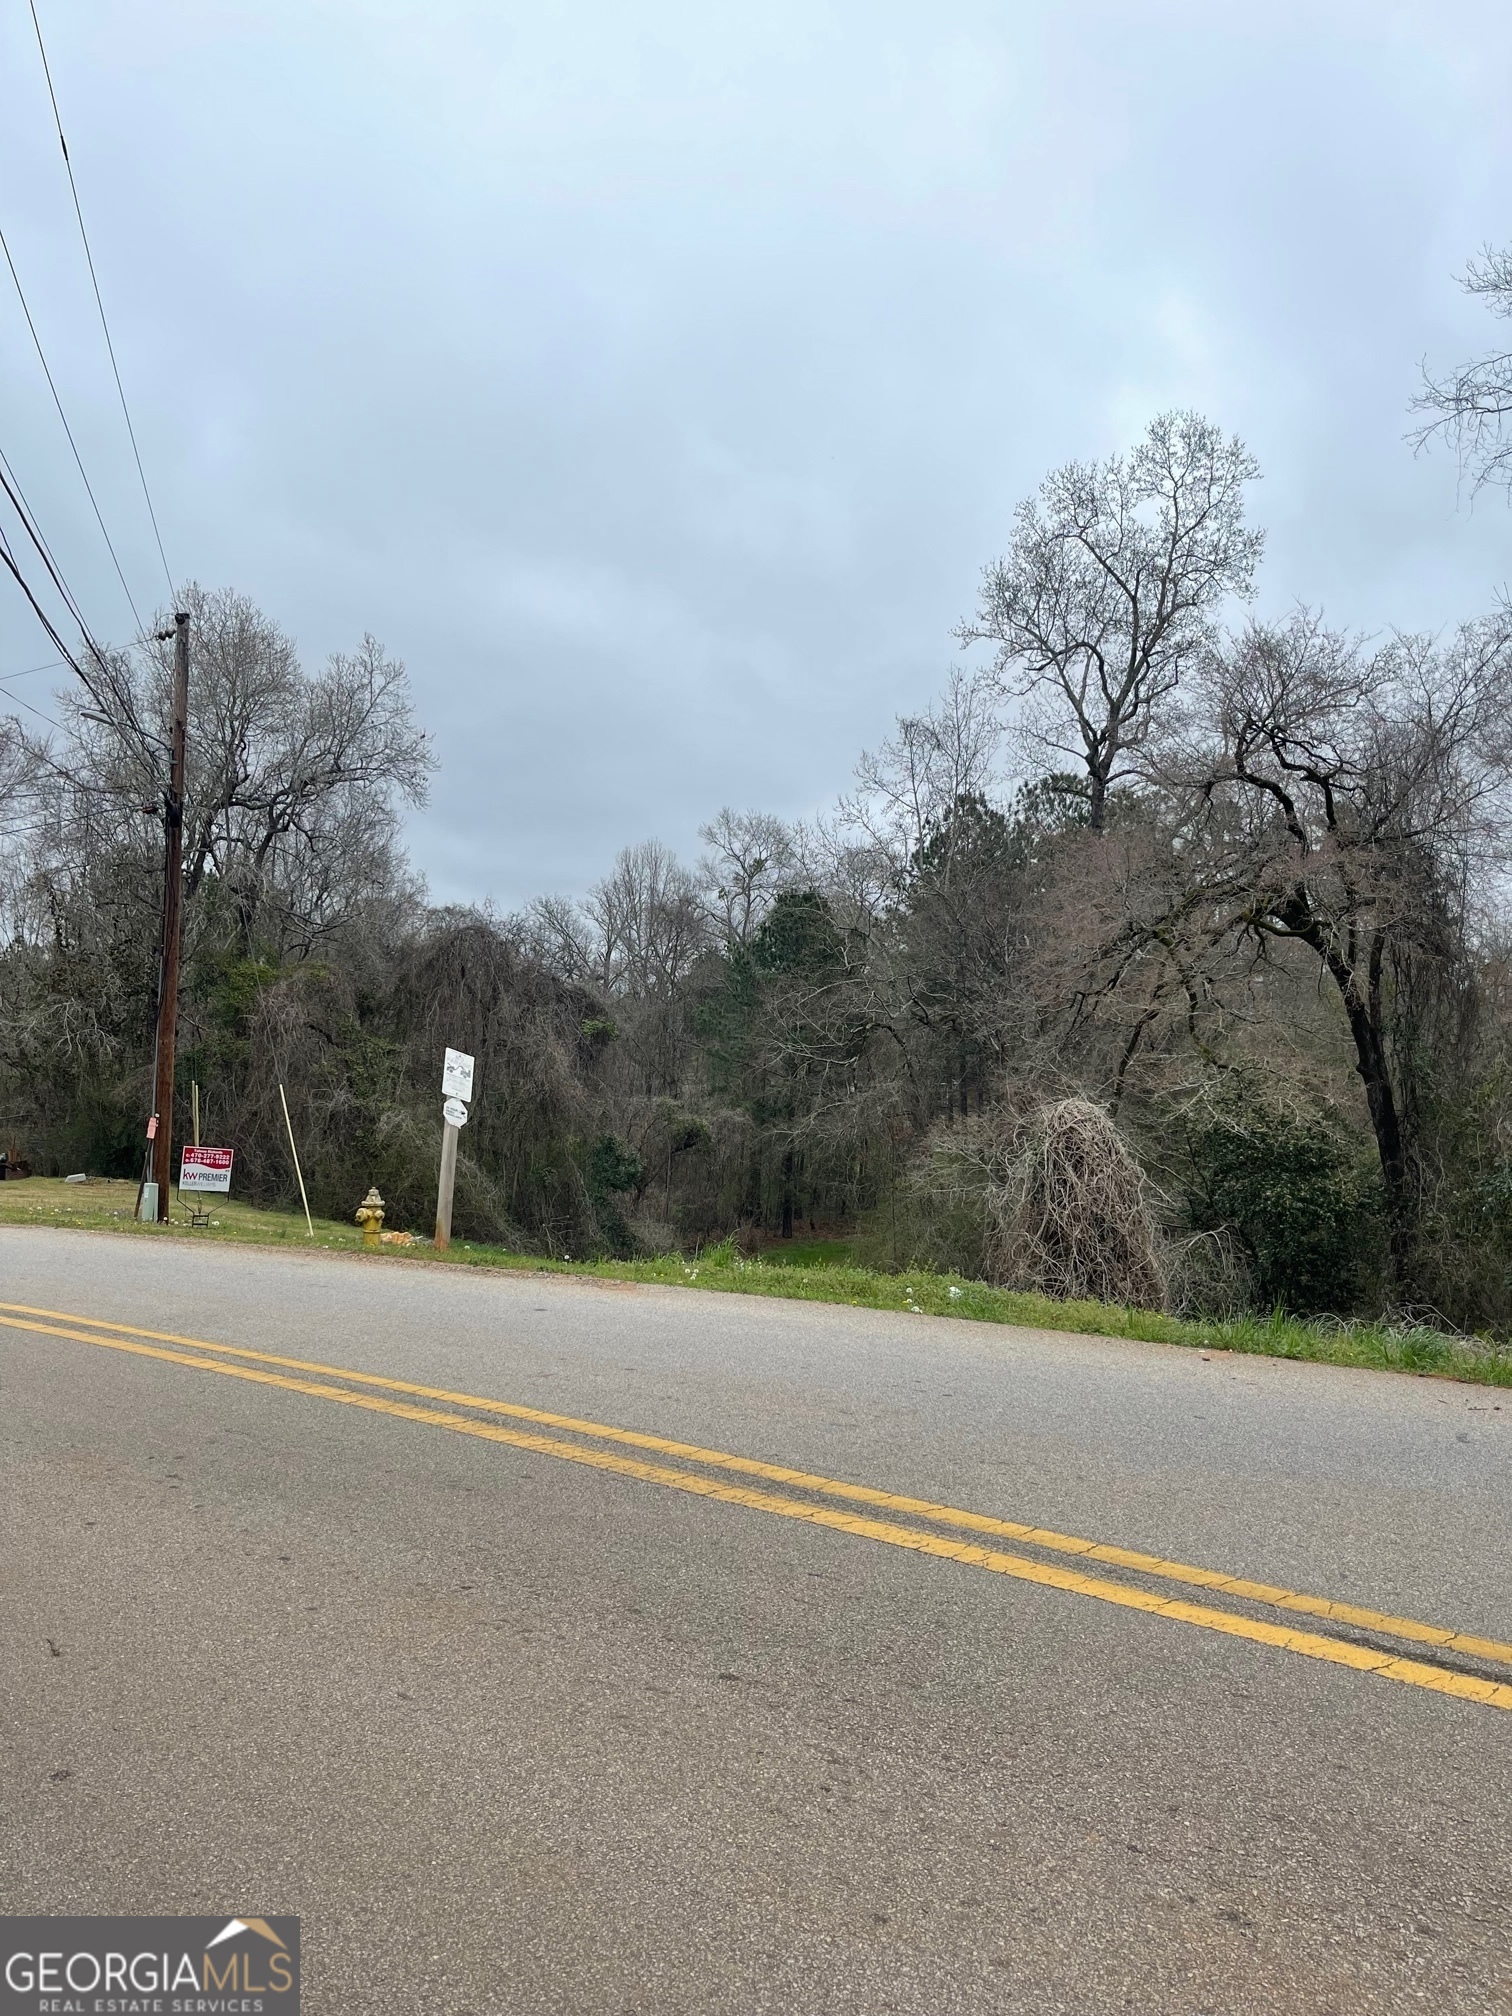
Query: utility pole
[{"x": 173, "y": 902}]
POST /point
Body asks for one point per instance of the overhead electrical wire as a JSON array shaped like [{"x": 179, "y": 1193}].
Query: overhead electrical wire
[
  {"x": 8, "y": 559},
  {"x": 6, "y": 694},
  {"x": 23, "y": 511},
  {"x": 100, "y": 304},
  {"x": 28, "y": 671},
  {"x": 78, "y": 458},
  {"x": 116, "y": 698},
  {"x": 117, "y": 693},
  {"x": 61, "y": 770}
]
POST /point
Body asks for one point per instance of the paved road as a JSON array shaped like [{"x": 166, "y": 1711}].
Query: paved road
[{"x": 520, "y": 1719}]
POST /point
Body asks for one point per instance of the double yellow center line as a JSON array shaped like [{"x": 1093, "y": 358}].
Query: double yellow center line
[{"x": 368, "y": 1390}]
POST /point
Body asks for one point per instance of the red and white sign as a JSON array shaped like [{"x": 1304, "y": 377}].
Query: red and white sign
[{"x": 206, "y": 1169}]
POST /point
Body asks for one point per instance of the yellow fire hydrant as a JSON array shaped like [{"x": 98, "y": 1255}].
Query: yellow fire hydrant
[{"x": 370, "y": 1216}]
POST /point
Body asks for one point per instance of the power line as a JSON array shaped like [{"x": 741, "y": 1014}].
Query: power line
[
  {"x": 9, "y": 560},
  {"x": 116, "y": 689},
  {"x": 78, "y": 458},
  {"x": 23, "y": 511},
  {"x": 28, "y": 671},
  {"x": 8, "y": 695},
  {"x": 10, "y": 483},
  {"x": 113, "y": 792},
  {"x": 100, "y": 304}
]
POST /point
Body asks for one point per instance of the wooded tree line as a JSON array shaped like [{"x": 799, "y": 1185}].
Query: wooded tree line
[{"x": 1204, "y": 910}]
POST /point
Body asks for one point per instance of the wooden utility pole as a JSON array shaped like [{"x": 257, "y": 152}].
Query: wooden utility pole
[{"x": 173, "y": 903}]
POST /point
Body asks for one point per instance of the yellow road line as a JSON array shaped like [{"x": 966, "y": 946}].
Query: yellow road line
[
  {"x": 1273, "y": 1597},
  {"x": 1307, "y": 1644}
]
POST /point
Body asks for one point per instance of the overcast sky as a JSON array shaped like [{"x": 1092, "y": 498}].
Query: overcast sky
[{"x": 655, "y": 379}]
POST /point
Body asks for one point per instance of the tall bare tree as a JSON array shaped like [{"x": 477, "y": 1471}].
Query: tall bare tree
[
  {"x": 751, "y": 859},
  {"x": 1356, "y": 805},
  {"x": 908, "y": 790},
  {"x": 1472, "y": 407},
  {"x": 634, "y": 938},
  {"x": 294, "y": 780},
  {"x": 635, "y": 933},
  {"x": 1111, "y": 587}
]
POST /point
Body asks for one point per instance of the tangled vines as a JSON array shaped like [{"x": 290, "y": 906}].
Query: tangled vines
[{"x": 1073, "y": 1219}]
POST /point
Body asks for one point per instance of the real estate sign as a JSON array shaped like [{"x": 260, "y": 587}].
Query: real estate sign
[{"x": 206, "y": 1169}]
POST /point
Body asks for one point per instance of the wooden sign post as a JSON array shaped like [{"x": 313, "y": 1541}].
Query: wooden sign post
[{"x": 457, "y": 1085}]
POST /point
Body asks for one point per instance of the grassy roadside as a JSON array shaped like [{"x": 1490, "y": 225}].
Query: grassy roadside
[{"x": 817, "y": 1273}]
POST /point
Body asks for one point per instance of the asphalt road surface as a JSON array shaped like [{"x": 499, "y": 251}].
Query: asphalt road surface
[{"x": 521, "y": 1716}]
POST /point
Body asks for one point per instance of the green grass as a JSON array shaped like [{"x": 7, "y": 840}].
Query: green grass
[
  {"x": 810, "y": 1253},
  {"x": 820, "y": 1270},
  {"x": 103, "y": 1205}
]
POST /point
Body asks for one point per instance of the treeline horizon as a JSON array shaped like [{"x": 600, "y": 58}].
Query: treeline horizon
[{"x": 1162, "y": 933}]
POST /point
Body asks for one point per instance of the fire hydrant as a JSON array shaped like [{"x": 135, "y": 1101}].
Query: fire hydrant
[{"x": 370, "y": 1216}]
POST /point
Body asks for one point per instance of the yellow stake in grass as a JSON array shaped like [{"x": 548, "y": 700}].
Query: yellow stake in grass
[{"x": 309, "y": 1221}]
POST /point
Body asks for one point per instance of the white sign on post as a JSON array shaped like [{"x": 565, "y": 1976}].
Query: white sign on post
[
  {"x": 457, "y": 1085},
  {"x": 457, "y": 1075}
]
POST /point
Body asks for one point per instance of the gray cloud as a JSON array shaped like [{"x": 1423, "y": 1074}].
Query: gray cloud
[{"x": 655, "y": 381}]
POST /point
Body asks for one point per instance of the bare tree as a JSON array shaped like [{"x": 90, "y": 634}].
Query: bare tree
[
  {"x": 19, "y": 794},
  {"x": 751, "y": 859},
  {"x": 565, "y": 939},
  {"x": 1356, "y": 805},
  {"x": 1111, "y": 587},
  {"x": 908, "y": 791},
  {"x": 293, "y": 781},
  {"x": 634, "y": 939},
  {"x": 649, "y": 924},
  {"x": 1473, "y": 405},
  {"x": 292, "y": 778}
]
